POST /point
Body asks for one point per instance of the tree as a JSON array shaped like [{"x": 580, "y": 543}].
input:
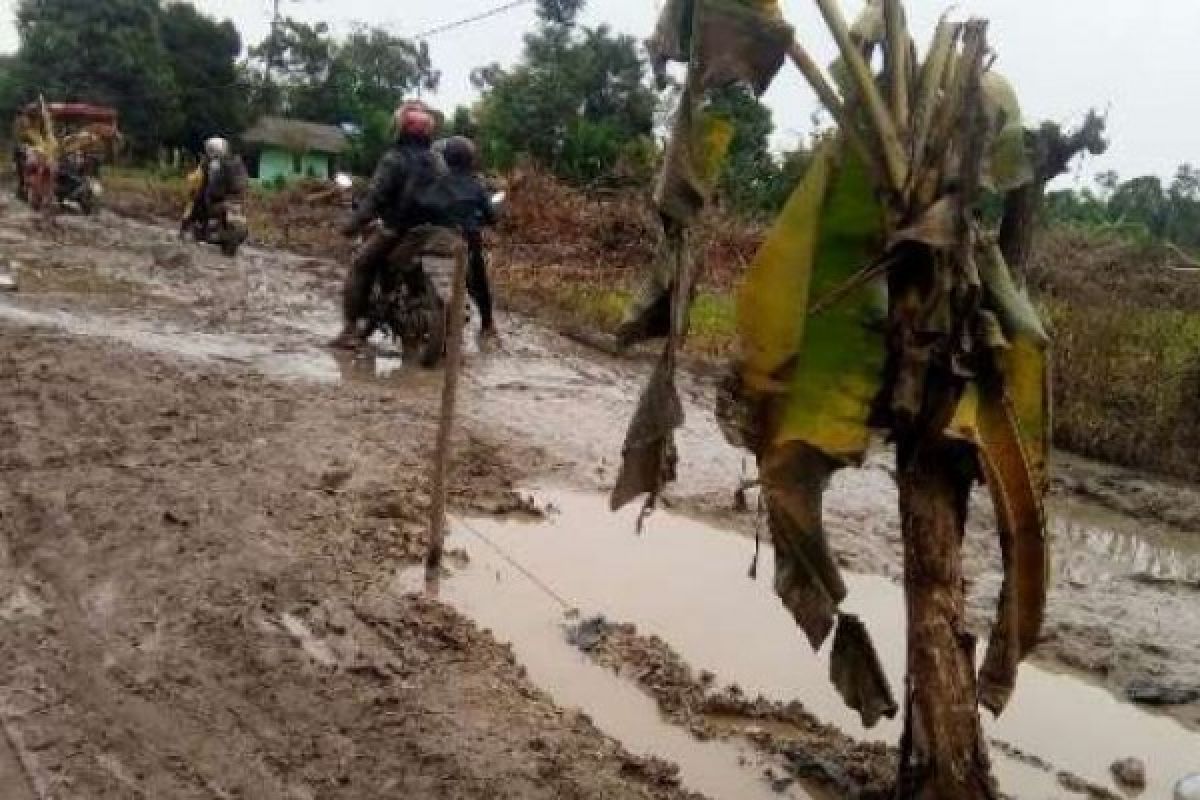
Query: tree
[
  {"x": 203, "y": 56},
  {"x": 325, "y": 80},
  {"x": 101, "y": 51},
  {"x": 577, "y": 103},
  {"x": 753, "y": 180}
]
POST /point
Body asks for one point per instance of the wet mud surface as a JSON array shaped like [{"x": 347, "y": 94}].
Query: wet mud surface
[{"x": 204, "y": 514}]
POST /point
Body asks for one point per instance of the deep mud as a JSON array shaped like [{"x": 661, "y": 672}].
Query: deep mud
[{"x": 204, "y": 513}]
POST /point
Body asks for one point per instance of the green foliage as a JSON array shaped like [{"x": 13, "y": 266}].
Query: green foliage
[
  {"x": 303, "y": 71},
  {"x": 375, "y": 137},
  {"x": 101, "y": 51},
  {"x": 577, "y": 103},
  {"x": 755, "y": 182},
  {"x": 1141, "y": 208},
  {"x": 462, "y": 123},
  {"x": 1126, "y": 382},
  {"x": 203, "y": 56}
]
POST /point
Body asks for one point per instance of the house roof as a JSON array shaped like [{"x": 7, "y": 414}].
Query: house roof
[{"x": 297, "y": 135}]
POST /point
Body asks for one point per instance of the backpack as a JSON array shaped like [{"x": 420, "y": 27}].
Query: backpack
[
  {"x": 235, "y": 179},
  {"x": 450, "y": 200}
]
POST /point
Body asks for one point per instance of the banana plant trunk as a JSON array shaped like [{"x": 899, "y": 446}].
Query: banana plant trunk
[{"x": 944, "y": 754}]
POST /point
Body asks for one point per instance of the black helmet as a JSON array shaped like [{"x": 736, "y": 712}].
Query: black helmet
[{"x": 459, "y": 153}]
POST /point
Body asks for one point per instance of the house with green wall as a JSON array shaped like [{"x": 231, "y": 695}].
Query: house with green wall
[{"x": 280, "y": 149}]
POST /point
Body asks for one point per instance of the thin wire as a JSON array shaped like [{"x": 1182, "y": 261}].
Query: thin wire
[
  {"x": 534, "y": 579},
  {"x": 450, "y": 26}
]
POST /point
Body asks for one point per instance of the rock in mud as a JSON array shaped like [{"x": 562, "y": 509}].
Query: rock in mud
[
  {"x": 588, "y": 634},
  {"x": 1146, "y": 693},
  {"x": 1188, "y": 788},
  {"x": 1130, "y": 773}
]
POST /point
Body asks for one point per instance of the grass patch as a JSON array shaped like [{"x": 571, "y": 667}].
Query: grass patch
[{"x": 1127, "y": 385}]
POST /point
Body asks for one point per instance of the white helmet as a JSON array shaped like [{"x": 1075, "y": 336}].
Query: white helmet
[{"x": 216, "y": 147}]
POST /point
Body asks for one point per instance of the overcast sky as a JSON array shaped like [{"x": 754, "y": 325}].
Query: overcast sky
[{"x": 1136, "y": 59}]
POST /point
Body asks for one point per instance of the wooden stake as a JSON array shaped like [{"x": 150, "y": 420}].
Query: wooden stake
[{"x": 441, "y": 456}]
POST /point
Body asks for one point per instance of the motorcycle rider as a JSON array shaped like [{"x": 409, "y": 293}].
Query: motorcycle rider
[
  {"x": 215, "y": 179},
  {"x": 405, "y": 169},
  {"x": 471, "y": 210}
]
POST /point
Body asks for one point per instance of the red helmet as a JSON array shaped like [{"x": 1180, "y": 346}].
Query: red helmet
[{"x": 414, "y": 119}]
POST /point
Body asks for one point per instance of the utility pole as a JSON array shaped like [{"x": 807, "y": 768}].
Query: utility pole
[{"x": 273, "y": 51}]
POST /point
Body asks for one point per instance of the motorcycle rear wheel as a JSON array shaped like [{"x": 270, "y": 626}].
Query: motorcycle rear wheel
[{"x": 434, "y": 347}]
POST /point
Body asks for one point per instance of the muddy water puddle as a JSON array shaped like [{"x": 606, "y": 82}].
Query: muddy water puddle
[
  {"x": 1126, "y": 547},
  {"x": 687, "y": 583}
]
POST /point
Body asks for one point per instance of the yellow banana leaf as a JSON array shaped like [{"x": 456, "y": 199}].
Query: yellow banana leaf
[
  {"x": 841, "y": 354},
  {"x": 777, "y": 283},
  {"x": 1006, "y": 415},
  {"x": 987, "y": 418},
  {"x": 1024, "y": 364}
]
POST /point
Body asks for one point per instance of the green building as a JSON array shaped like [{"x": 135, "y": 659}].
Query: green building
[{"x": 291, "y": 149}]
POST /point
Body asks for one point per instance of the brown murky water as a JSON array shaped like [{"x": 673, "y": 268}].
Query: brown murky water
[
  {"x": 687, "y": 583},
  {"x": 1151, "y": 552}
]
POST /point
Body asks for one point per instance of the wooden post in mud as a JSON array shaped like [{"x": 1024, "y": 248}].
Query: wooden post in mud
[{"x": 441, "y": 455}]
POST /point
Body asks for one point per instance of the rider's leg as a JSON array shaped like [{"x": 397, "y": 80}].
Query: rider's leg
[
  {"x": 356, "y": 293},
  {"x": 477, "y": 280}
]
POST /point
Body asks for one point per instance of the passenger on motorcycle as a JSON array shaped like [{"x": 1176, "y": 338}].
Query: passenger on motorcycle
[
  {"x": 406, "y": 169},
  {"x": 470, "y": 209},
  {"x": 219, "y": 177}
]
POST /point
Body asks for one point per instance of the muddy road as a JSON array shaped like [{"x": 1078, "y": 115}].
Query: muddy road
[{"x": 208, "y": 525}]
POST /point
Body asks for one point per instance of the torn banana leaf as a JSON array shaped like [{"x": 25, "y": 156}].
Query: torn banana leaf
[
  {"x": 649, "y": 459},
  {"x": 807, "y": 578},
  {"x": 986, "y": 418},
  {"x": 777, "y": 283},
  {"x": 841, "y": 353},
  {"x": 813, "y": 379},
  {"x": 1025, "y": 363},
  {"x": 1006, "y": 415},
  {"x": 857, "y": 672},
  {"x": 725, "y": 41}
]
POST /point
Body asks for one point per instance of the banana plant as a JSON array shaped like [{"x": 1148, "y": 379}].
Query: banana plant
[{"x": 879, "y": 307}]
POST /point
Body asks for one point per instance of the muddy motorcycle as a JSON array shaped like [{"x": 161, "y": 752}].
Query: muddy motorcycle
[
  {"x": 75, "y": 190},
  {"x": 225, "y": 227},
  {"x": 410, "y": 305}
]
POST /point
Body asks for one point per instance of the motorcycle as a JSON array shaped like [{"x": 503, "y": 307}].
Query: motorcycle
[
  {"x": 410, "y": 305},
  {"x": 76, "y": 190},
  {"x": 225, "y": 225}
]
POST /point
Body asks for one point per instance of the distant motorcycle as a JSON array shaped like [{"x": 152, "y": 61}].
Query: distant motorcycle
[
  {"x": 225, "y": 225},
  {"x": 75, "y": 189},
  {"x": 226, "y": 228}
]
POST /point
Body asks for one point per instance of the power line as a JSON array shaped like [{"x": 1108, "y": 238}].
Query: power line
[{"x": 450, "y": 26}]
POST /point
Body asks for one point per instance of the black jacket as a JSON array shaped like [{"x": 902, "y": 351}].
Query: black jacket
[
  {"x": 464, "y": 203},
  {"x": 407, "y": 167}
]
